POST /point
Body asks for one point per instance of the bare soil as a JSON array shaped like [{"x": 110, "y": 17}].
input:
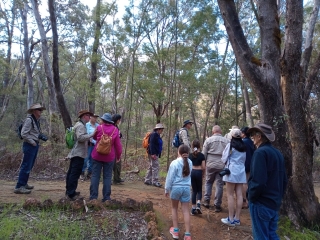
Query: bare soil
[{"x": 205, "y": 226}]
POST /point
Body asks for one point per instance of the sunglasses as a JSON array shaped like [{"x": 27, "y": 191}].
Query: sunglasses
[{"x": 40, "y": 110}]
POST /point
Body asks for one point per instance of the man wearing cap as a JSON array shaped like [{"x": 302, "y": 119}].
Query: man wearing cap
[
  {"x": 228, "y": 135},
  {"x": 78, "y": 153},
  {"x": 267, "y": 183},
  {"x": 184, "y": 135},
  {"x": 212, "y": 150},
  {"x": 154, "y": 153},
  {"x": 30, "y": 133},
  {"x": 87, "y": 166}
]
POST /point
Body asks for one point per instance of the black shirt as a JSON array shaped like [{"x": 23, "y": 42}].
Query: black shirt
[{"x": 197, "y": 161}]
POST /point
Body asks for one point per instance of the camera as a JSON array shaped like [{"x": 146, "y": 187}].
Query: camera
[
  {"x": 225, "y": 171},
  {"x": 43, "y": 137}
]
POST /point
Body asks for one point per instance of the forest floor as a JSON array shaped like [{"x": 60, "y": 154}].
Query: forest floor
[{"x": 205, "y": 226}]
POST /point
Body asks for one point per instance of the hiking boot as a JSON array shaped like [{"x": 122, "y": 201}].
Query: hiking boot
[
  {"x": 206, "y": 203},
  {"x": 199, "y": 208},
  {"x": 22, "y": 190},
  {"x": 227, "y": 221},
  {"x": 147, "y": 183},
  {"x": 217, "y": 208},
  {"x": 193, "y": 211},
  {"x": 174, "y": 232},
  {"x": 29, "y": 186},
  {"x": 157, "y": 184}
]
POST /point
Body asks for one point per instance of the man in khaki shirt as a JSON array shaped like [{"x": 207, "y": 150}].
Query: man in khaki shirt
[
  {"x": 212, "y": 150},
  {"x": 183, "y": 134}
]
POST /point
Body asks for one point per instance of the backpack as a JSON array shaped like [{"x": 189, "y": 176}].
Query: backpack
[
  {"x": 20, "y": 127},
  {"x": 176, "y": 139},
  {"x": 145, "y": 141},
  {"x": 69, "y": 137},
  {"x": 105, "y": 143}
]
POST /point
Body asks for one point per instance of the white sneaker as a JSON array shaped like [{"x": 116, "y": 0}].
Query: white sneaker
[{"x": 227, "y": 221}]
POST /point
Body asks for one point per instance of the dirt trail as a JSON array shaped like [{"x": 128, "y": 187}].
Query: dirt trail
[{"x": 205, "y": 226}]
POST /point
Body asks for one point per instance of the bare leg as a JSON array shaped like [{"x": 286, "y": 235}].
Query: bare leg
[
  {"x": 238, "y": 190},
  {"x": 230, "y": 192},
  {"x": 186, "y": 215},
  {"x": 174, "y": 210}
]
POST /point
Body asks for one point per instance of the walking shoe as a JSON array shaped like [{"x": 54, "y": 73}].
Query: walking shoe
[
  {"x": 193, "y": 211},
  {"x": 227, "y": 221},
  {"x": 236, "y": 222},
  {"x": 157, "y": 184},
  {"x": 187, "y": 236},
  {"x": 206, "y": 203},
  {"x": 174, "y": 232},
  {"x": 29, "y": 186},
  {"x": 217, "y": 208},
  {"x": 147, "y": 183},
  {"x": 199, "y": 208},
  {"x": 22, "y": 190}
]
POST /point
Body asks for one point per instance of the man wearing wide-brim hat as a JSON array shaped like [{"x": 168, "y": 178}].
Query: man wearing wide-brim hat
[
  {"x": 30, "y": 134},
  {"x": 154, "y": 153},
  {"x": 184, "y": 134},
  {"x": 267, "y": 182},
  {"x": 78, "y": 154}
]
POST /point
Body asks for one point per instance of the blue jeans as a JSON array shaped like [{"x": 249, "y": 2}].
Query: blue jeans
[
  {"x": 29, "y": 157},
  {"x": 95, "y": 179},
  {"x": 73, "y": 174},
  {"x": 196, "y": 183},
  {"x": 88, "y": 161},
  {"x": 264, "y": 222}
]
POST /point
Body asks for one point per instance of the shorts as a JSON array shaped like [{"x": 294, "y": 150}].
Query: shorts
[{"x": 182, "y": 194}]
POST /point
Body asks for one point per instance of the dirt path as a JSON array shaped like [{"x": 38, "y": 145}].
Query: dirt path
[{"x": 205, "y": 226}]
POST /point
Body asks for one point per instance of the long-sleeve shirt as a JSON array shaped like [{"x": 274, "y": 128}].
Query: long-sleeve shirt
[
  {"x": 249, "y": 152},
  {"x": 30, "y": 130},
  {"x": 90, "y": 130},
  {"x": 268, "y": 180},
  {"x": 175, "y": 178},
  {"x": 155, "y": 144},
  {"x": 184, "y": 137},
  {"x": 116, "y": 149},
  {"x": 80, "y": 148}
]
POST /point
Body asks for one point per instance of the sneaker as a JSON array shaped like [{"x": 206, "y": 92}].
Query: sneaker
[
  {"x": 199, "y": 208},
  {"x": 174, "y": 233},
  {"x": 236, "y": 222},
  {"x": 227, "y": 221},
  {"x": 206, "y": 203},
  {"x": 193, "y": 211},
  {"x": 217, "y": 208},
  {"x": 187, "y": 236},
  {"x": 157, "y": 184},
  {"x": 29, "y": 186},
  {"x": 22, "y": 190}
]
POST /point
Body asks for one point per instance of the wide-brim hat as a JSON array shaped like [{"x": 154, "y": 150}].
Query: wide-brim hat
[
  {"x": 187, "y": 122},
  {"x": 235, "y": 133},
  {"x": 159, "y": 126},
  {"x": 35, "y": 106},
  {"x": 107, "y": 117},
  {"x": 265, "y": 130},
  {"x": 95, "y": 115},
  {"x": 82, "y": 112}
]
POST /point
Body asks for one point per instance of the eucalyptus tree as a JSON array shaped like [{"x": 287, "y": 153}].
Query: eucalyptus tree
[{"x": 282, "y": 80}]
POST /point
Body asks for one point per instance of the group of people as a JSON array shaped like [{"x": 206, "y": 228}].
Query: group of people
[
  {"x": 244, "y": 159},
  {"x": 252, "y": 169},
  {"x": 84, "y": 157}
]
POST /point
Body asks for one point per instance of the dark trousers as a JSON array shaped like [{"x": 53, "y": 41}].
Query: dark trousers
[
  {"x": 117, "y": 171},
  {"x": 196, "y": 183},
  {"x": 74, "y": 172}
]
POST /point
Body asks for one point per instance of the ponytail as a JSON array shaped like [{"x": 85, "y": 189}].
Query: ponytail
[
  {"x": 184, "y": 153},
  {"x": 195, "y": 147}
]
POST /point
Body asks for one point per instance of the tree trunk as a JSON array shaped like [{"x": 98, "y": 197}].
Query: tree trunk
[
  {"x": 45, "y": 58},
  {"x": 55, "y": 67},
  {"x": 247, "y": 104},
  {"x": 301, "y": 205}
]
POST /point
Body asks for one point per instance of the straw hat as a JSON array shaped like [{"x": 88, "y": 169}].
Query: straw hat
[{"x": 35, "y": 106}]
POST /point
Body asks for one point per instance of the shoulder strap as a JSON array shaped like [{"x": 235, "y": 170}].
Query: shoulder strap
[
  {"x": 113, "y": 131},
  {"x": 102, "y": 129}
]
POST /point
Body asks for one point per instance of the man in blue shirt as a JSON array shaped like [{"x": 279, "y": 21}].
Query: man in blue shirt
[
  {"x": 87, "y": 166},
  {"x": 267, "y": 183},
  {"x": 154, "y": 153}
]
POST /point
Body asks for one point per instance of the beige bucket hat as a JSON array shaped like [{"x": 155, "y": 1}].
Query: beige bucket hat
[
  {"x": 159, "y": 126},
  {"x": 34, "y": 107}
]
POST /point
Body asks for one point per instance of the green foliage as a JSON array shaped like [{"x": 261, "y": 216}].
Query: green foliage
[{"x": 287, "y": 229}]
